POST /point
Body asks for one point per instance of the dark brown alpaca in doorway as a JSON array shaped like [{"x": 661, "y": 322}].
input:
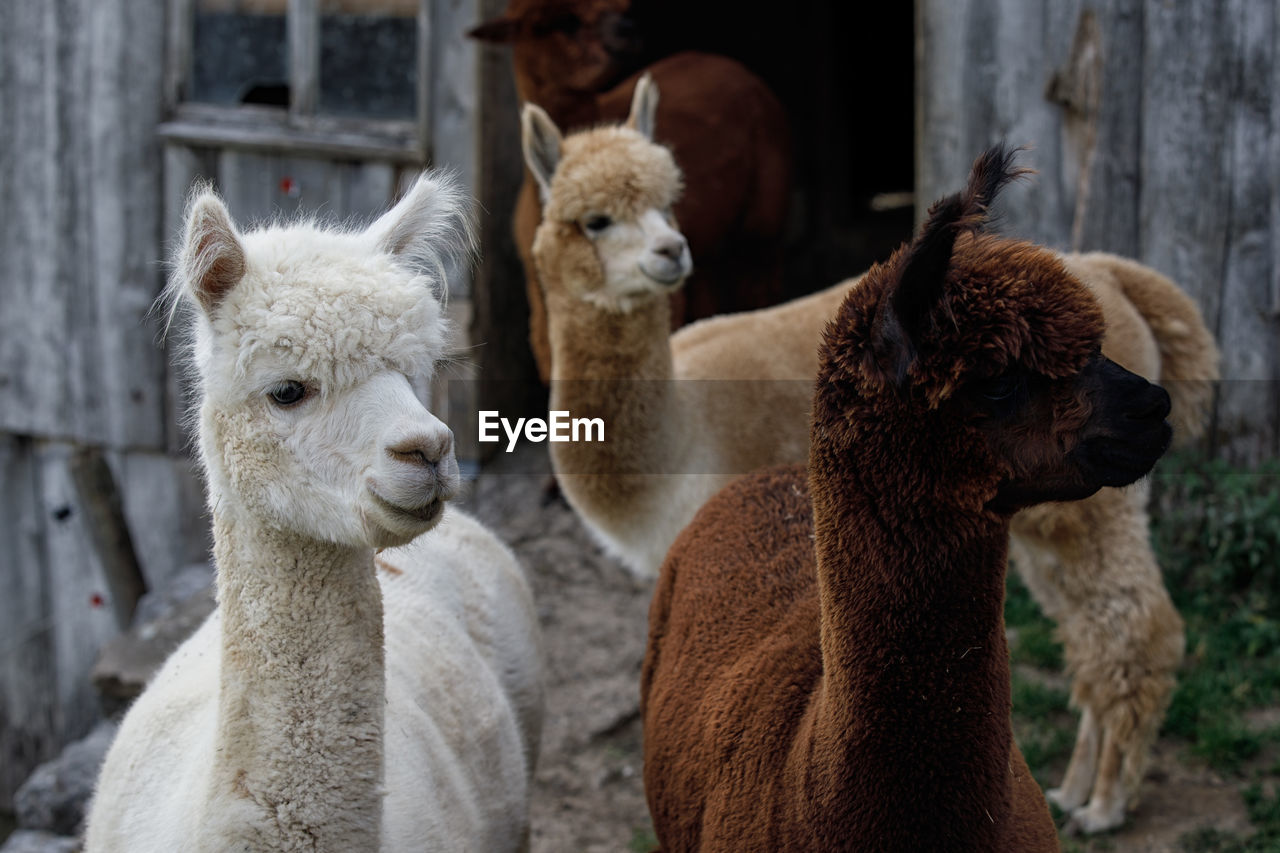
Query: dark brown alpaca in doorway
[{"x": 827, "y": 666}]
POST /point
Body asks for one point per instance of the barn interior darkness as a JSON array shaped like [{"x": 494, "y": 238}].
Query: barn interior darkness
[{"x": 845, "y": 73}]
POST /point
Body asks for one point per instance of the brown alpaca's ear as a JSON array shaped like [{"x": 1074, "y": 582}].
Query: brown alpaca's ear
[
  {"x": 644, "y": 106},
  {"x": 496, "y": 31},
  {"x": 212, "y": 258},
  {"x": 905, "y": 316},
  {"x": 540, "y": 139}
]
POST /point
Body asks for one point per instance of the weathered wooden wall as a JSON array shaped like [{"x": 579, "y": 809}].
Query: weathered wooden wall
[
  {"x": 1155, "y": 128},
  {"x": 79, "y": 364}
]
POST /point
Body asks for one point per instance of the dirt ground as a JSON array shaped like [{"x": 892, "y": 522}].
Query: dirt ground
[{"x": 589, "y": 794}]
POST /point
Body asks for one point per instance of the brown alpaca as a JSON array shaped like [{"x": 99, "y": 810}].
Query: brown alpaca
[
  {"x": 1089, "y": 565},
  {"x": 574, "y": 58},
  {"x": 827, "y": 666}
]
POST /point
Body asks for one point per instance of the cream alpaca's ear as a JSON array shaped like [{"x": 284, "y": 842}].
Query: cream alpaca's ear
[
  {"x": 212, "y": 258},
  {"x": 428, "y": 226},
  {"x": 540, "y": 139},
  {"x": 644, "y": 106}
]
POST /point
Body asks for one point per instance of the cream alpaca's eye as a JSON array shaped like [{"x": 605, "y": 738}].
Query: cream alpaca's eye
[
  {"x": 288, "y": 393},
  {"x": 593, "y": 225}
]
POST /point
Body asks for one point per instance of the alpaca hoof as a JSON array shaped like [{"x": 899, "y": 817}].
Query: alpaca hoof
[
  {"x": 1061, "y": 798},
  {"x": 1091, "y": 820}
]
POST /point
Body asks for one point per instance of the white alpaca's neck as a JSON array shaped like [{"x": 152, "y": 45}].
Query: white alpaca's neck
[{"x": 299, "y": 743}]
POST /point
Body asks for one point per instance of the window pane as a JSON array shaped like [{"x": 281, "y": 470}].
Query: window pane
[
  {"x": 239, "y": 53},
  {"x": 369, "y": 58}
]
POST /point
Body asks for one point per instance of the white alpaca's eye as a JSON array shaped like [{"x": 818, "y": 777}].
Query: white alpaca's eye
[
  {"x": 288, "y": 393},
  {"x": 596, "y": 223}
]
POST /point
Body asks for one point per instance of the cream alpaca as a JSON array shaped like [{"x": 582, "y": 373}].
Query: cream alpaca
[
  {"x": 1089, "y": 564},
  {"x": 608, "y": 255},
  {"x": 336, "y": 701}
]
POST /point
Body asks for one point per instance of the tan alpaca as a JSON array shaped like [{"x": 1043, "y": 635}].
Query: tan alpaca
[
  {"x": 1090, "y": 566},
  {"x": 671, "y": 445},
  {"x": 608, "y": 256}
]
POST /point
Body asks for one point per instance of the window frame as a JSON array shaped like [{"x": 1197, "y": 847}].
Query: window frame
[{"x": 298, "y": 130}]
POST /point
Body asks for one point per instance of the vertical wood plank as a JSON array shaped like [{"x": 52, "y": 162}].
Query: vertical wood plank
[
  {"x": 941, "y": 117},
  {"x": 79, "y": 603},
  {"x": 427, "y": 71},
  {"x": 123, "y": 212},
  {"x": 500, "y": 320},
  {"x": 1107, "y": 209},
  {"x": 79, "y": 205},
  {"x": 1251, "y": 361},
  {"x": 178, "y": 51},
  {"x": 28, "y": 734},
  {"x": 1185, "y": 154},
  {"x": 304, "y": 58}
]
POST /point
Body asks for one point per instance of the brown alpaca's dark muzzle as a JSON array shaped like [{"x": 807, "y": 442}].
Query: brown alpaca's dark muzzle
[{"x": 1128, "y": 431}]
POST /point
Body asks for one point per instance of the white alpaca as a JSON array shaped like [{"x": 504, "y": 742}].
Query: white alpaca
[{"x": 337, "y": 700}]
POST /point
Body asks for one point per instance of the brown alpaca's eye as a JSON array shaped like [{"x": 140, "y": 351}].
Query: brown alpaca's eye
[
  {"x": 1000, "y": 388},
  {"x": 596, "y": 223},
  {"x": 288, "y": 393}
]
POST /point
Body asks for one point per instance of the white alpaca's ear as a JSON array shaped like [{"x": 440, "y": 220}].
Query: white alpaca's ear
[
  {"x": 644, "y": 106},
  {"x": 540, "y": 139},
  {"x": 212, "y": 257},
  {"x": 427, "y": 226}
]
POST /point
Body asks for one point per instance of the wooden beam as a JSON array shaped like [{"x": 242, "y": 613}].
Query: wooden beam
[
  {"x": 109, "y": 531},
  {"x": 272, "y": 130}
]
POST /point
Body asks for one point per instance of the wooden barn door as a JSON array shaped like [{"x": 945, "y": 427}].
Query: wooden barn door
[{"x": 1152, "y": 127}]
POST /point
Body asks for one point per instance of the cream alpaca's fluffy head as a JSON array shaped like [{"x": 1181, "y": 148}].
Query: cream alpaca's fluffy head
[
  {"x": 608, "y": 235},
  {"x": 304, "y": 341}
]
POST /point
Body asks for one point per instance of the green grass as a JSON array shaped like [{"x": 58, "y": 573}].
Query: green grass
[
  {"x": 642, "y": 840},
  {"x": 1216, "y": 531}
]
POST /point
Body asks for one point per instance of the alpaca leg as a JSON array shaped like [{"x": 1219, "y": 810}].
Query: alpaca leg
[
  {"x": 1106, "y": 808},
  {"x": 1128, "y": 731},
  {"x": 1078, "y": 781}
]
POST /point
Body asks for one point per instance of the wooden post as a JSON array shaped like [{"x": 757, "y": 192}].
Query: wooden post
[
  {"x": 304, "y": 58},
  {"x": 104, "y": 510},
  {"x": 500, "y": 321}
]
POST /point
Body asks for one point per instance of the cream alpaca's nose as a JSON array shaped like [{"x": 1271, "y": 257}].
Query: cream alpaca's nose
[
  {"x": 671, "y": 248},
  {"x": 425, "y": 451}
]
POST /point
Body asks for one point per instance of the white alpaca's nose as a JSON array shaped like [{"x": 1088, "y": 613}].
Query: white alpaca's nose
[
  {"x": 422, "y": 464},
  {"x": 423, "y": 449}
]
